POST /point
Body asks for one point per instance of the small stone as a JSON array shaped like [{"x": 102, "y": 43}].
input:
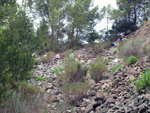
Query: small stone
[
  {"x": 68, "y": 111},
  {"x": 50, "y": 98},
  {"x": 132, "y": 71},
  {"x": 111, "y": 100},
  {"x": 91, "y": 82},
  {"x": 83, "y": 109},
  {"x": 147, "y": 96},
  {"x": 48, "y": 90},
  {"x": 49, "y": 86},
  {"x": 89, "y": 108}
]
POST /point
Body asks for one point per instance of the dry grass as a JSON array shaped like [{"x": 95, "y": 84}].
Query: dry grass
[
  {"x": 48, "y": 56},
  {"x": 75, "y": 92},
  {"x": 97, "y": 69},
  {"x": 99, "y": 47},
  {"x": 17, "y": 104},
  {"x": 131, "y": 48}
]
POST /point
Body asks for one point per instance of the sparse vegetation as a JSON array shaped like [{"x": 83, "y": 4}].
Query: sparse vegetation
[
  {"x": 148, "y": 48},
  {"x": 132, "y": 60},
  {"x": 115, "y": 68},
  {"x": 115, "y": 51},
  {"x": 73, "y": 78},
  {"x": 97, "y": 69},
  {"x": 74, "y": 70},
  {"x": 75, "y": 91},
  {"x": 106, "y": 60},
  {"x": 57, "y": 70},
  {"x": 131, "y": 48},
  {"x": 143, "y": 82},
  {"x": 36, "y": 61},
  {"x": 98, "y": 48},
  {"x": 48, "y": 56},
  {"x": 17, "y": 104},
  {"x": 27, "y": 89},
  {"x": 40, "y": 79}
]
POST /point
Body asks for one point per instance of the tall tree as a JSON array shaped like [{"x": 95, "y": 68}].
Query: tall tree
[
  {"x": 81, "y": 19},
  {"x": 54, "y": 13},
  {"x": 17, "y": 43},
  {"x": 107, "y": 10},
  {"x": 128, "y": 16}
]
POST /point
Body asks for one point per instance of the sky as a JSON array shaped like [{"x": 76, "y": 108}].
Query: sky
[{"x": 103, "y": 24}]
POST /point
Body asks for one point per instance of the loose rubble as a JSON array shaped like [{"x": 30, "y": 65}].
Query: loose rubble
[{"x": 114, "y": 94}]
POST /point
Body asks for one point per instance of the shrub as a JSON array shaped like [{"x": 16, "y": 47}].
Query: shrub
[
  {"x": 148, "y": 48},
  {"x": 75, "y": 92},
  {"x": 114, "y": 68},
  {"x": 48, "y": 56},
  {"x": 17, "y": 104},
  {"x": 62, "y": 79},
  {"x": 73, "y": 69},
  {"x": 143, "y": 81},
  {"x": 57, "y": 70},
  {"x": 98, "y": 48},
  {"x": 73, "y": 78},
  {"x": 132, "y": 60},
  {"x": 27, "y": 89},
  {"x": 106, "y": 60},
  {"x": 40, "y": 79},
  {"x": 97, "y": 69},
  {"x": 131, "y": 48},
  {"x": 115, "y": 51},
  {"x": 17, "y": 44},
  {"x": 36, "y": 61}
]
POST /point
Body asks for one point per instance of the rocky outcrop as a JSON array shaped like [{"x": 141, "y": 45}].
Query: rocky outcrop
[
  {"x": 142, "y": 32},
  {"x": 112, "y": 95},
  {"x": 117, "y": 94}
]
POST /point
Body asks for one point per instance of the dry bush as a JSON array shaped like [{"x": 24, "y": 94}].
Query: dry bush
[
  {"x": 131, "y": 48},
  {"x": 75, "y": 71},
  {"x": 48, "y": 56},
  {"x": 97, "y": 69},
  {"x": 62, "y": 79},
  {"x": 74, "y": 92},
  {"x": 17, "y": 104},
  {"x": 73, "y": 78},
  {"x": 98, "y": 48}
]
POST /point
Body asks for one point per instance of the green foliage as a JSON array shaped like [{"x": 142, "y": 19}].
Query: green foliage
[
  {"x": 17, "y": 44},
  {"x": 40, "y": 79},
  {"x": 114, "y": 68},
  {"x": 73, "y": 77},
  {"x": 27, "y": 89},
  {"x": 132, "y": 60},
  {"x": 126, "y": 17},
  {"x": 97, "y": 69},
  {"x": 115, "y": 51},
  {"x": 148, "y": 48},
  {"x": 75, "y": 71},
  {"x": 131, "y": 48},
  {"x": 57, "y": 70},
  {"x": 143, "y": 81},
  {"x": 36, "y": 61},
  {"x": 106, "y": 60}
]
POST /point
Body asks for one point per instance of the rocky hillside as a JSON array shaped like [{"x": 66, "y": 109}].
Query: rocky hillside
[
  {"x": 116, "y": 94},
  {"x": 142, "y": 32}
]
